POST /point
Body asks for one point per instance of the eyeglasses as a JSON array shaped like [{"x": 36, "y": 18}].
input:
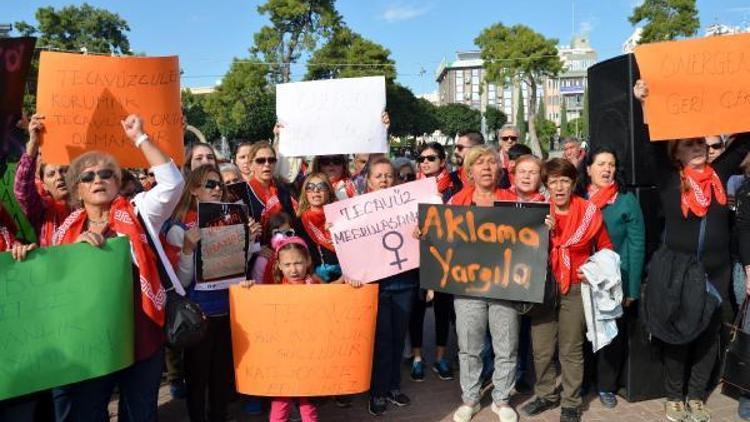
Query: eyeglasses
[
  {"x": 408, "y": 177},
  {"x": 460, "y": 147},
  {"x": 89, "y": 176},
  {"x": 717, "y": 146},
  {"x": 430, "y": 158},
  {"x": 212, "y": 184},
  {"x": 509, "y": 138},
  {"x": 317, "y": 187},
  {"x": 328, "y": 161},
  {"x": 285, "y": 233},
  {"x": 265, "y": 160}
]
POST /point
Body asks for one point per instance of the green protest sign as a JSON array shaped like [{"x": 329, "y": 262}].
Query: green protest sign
[{"x": 66, "y": 315}]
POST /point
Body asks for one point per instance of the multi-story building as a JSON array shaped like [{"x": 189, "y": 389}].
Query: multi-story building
[
  {"x": 569, "y": 86},
  {"x": 5, "y": 29}
]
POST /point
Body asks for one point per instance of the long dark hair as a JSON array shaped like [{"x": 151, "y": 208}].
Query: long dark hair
[{"x": 583, "y": 177}]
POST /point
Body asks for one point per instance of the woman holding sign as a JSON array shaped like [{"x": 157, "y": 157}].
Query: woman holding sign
[
  {"x": 579, "y": 230},
  {"x": 93, "y": 180},
  {"x": 624, "y": 220},
  {"x": 316, "y": 193},
  {"x": 474, "y": 315}
]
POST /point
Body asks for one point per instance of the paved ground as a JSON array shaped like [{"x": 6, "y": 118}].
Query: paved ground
[{"x": 435, "y": 400}]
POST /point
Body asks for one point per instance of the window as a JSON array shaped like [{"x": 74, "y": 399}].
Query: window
[{"x": 475, "y": 72}]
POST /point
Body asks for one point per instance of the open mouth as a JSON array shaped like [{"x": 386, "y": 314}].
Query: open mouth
[{"x": 99, "y": 190}]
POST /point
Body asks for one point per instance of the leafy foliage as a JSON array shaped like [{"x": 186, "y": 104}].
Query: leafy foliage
[
  {"x": 349, "y": 55},
  {"x": 194, "y": 111},
  {"x": 494, "y": 118},
  {"x": 455, "y": 118},
  {"x": 666, "y": 19}
]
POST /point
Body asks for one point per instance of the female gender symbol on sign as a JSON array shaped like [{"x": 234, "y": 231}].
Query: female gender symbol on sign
[{"x": 395, "y": 248}]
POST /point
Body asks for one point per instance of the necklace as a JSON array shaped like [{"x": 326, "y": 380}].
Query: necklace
[{"x": 97, "y": 223}]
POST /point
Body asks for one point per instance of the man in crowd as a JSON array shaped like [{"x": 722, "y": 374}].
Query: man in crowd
[
  {"x": 572, "y": 151},
  {"x": 466, "y": 141},
  {"x": 715, "y": 147}
]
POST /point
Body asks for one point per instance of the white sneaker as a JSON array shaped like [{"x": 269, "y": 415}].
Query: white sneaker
[
  {"x": 505, "y": 412},
  {"x": 464, "y": 413}
]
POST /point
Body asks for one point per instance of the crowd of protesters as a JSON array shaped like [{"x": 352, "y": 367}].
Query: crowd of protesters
[{"x": 591, "y": 210}]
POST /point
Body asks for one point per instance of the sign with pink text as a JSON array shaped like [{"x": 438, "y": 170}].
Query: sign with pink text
[{"x": 374, "y": 233}]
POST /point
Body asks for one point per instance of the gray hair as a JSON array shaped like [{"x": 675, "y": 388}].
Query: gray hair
[
  {"x": 227, "y": 167},
  {"x": 509, "y": 126}
]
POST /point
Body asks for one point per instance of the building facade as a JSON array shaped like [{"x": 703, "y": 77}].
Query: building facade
[{"x": 570, "y": 85}]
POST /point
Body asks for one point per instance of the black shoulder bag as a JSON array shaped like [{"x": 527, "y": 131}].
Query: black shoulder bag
[{"x": 736, "y": 371}]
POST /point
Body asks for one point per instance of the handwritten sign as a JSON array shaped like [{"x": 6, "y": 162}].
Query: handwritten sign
[
  {"x": 15, "y": 61},
  {"x": 335, "y": 116},
  {"x": 222, "y": 256},
  {"x": 303, "y": 340},
  {"x": 66, "y": 315},
  {"x": 85, "y": 97},
  {"x": 494, "y": 252},
  {"x": 697, "y": 87},
  {"x": 373, "y": 233}
]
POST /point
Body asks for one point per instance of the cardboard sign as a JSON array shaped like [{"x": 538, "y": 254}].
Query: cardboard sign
[
  {"x": 697, "y": 87},
  {"x": 15, "y": 61},
  {"x": 491, "y": 252},
  {"x": 373, "y": 233},
  {"x": 303, "y": 340},
  {"x": 84, "y": 98},
  {"x": 66, "y": 315},
  {"x": 335, "y": 116},
  {"x": 222, "y": 253}
]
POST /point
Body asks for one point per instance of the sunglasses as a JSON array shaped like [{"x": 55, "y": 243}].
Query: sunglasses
[
  {"x": 212, "y": 184},
  {"x": 460, "y": 148},
  {"x": 328, "y": 161},
  {"x": 408, "y": 177},
  {"x": 285, "y": 233},
  {"x": 265, "y": 160},
  {"x": 509, "y": 138},
  {"x": 430, "y": 158},
  {"x": 89, "y": 176},
  {"x": 715, "y": 146},
  {"x": 317, "y": 187}
]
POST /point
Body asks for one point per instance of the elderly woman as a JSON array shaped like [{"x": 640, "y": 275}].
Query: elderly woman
[
  {"x": 94, "y": 182},
  {"x": 47, "y": 211},
  {"x": 578, "y": 231}
]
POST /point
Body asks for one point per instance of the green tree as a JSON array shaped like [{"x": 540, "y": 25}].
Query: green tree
[
  {"x": 243, "y": 105},
  {"x": 295, "y": 29},
  {"x": 563, "y": 117},
  {"x": 455, "y": 118},
  {"x": 409, "y": 115},
  {"x": 194, "y": 111},
  {"x": 349, "y": 55},
  {"x": 519, "y": 52},
  {"x": 494, "y": 118},
  {"x": 574, "y": 127},
  {"x": 546, "y": 129},
  {"x": 666, "y": 19},
  {"x": 521, "y": 116}
]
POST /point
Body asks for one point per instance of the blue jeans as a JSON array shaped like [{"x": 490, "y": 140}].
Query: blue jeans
[
  {"x": 137, "y": 384},
  {"x": 394, "y": 308}
]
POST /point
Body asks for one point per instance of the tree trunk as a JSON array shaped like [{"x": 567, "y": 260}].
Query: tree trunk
[{"x": 536, "y": 148}]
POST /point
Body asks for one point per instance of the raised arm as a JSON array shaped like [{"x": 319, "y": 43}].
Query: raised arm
[{"x": 24, "y": 186}]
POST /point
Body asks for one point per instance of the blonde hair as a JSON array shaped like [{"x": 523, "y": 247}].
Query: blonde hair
[
  {"x": 89, "y": 159},
  {"x": 277, "y": 274},
  {"x": 530, "y": 158},
  {"x": 304, "y": 204},
  {"x": 474, "y": 154}
]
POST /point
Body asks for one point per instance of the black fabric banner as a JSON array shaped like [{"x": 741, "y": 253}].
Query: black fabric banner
[{"x": 15, "y": 61}]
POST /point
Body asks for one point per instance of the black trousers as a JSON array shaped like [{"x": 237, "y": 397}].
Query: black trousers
[
  {"x": 208, "y": 366},
  {"x": 394, "y": 308},
  {"x": 444, "y": 315},
  {"x": 611, "y": 359}
]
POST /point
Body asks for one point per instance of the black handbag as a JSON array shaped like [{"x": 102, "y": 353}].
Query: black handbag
[
  {"x": 736, "y": 370},
  {"x": 185, "y": 323},
  {"x": 551, "y": 298}
]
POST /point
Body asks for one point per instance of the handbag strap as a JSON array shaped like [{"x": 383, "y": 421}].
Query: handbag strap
[
  {"x": 739, "y": 320},
  {"x": 701, "y": 238}
]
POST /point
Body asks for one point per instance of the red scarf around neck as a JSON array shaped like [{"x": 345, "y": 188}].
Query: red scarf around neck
[
  {"x": 123, "y": 220},
  {"x": 701, "y": 184},
  {"x": 6, "y": 239},
  {"x": 581, "y": 225},
  {"x": 443, "y": 179},
  {"x": 511, "y": 194},
  {"x": 55, "y": 213},
  {"x": 601, "y": 197},
  {"x": 269, "y": 196},
  {"x": 314, "y": 221},
  {"x": 466, "y": 196}
]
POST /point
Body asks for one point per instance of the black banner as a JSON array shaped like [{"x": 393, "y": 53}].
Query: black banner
[
  {"x": 221, "y": 258},
  {"x": 15, "y": 61},
  {"x": 491, "y": 252}
]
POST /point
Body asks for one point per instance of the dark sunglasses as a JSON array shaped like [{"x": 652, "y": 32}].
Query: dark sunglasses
[
  {"x": 509, "y": 138},
  {"x": 265, "y": 160},
  {"x": 317, "y": 187},
  {"x": 460, "y": 148},
  {"x": 430, "y": 158},
  {"x": 89, "y": 176},
  {"x": 212, "y": 184},
  {"x": 285, "y": 233},
  {"x": 715, "y": 146},
  {"x": 408, "y": 177},
  {"x": 328, "y": 161}
]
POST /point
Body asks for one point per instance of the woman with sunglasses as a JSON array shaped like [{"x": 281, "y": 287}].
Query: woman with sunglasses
[
  {"x": 93, "y": 179},
  {"x": 48, "y": 210},
  {"x": 692, "y": 193},
  {"x": 336, "y": 167},
  {"x": 316, "y": 193}
]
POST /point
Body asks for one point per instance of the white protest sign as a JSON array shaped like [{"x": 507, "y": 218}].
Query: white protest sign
[{"x": 335, "y": 116}]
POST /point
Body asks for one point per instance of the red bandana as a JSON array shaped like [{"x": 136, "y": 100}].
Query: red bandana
[
  {"x": 511, "y": 195},
  {"x": 6, "y": 239},
  {"x": 603, "y": 197},
  {"x": 583, "y": 223},
  {"x": 698, "y": 196},
  {"x": 173, "y": 252},
  {"x": 270, "y": 198},
  {"x": 466, "y": 196},
  {"x": 123, "y": 220},
  {"x": 56, "y": 212},
  {"x": 314, "y": 222},
  {"x": 443, "y": 179},
  {"x": 344, "y": 184}
]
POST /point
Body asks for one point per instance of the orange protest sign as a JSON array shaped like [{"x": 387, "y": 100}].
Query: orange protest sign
[
  {"x": 696, "y": 87},
  {"x": 84, "y": 98},
  {"x": 303, "y": 340}
]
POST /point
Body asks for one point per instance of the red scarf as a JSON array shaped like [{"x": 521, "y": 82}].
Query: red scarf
[
  {"x": 123, "y": 220},
  {"x": 56, "y": 212},
  {"x": 466, "y": 196},
  {"x": 6, "y": 239},
  {"x": 314, "y": 222},
  {"x": 269, "y": 196},
  {"x": 511, "y": 194},
  {"x": 443, "y": 179},
  {"x": 463, "y": 176},
  {"x": 308, "y": 280},
  {"x": 172, "y": 251},
  {"x": 604, "y": 196},
  {"x": 700, "y": 185},
  {"x": 346, "y": 185},
  {"x": 583, "y": 223}
]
